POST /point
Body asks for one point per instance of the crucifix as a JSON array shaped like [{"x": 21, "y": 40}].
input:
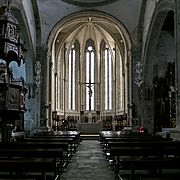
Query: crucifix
[{"x": 90, "y": 92}]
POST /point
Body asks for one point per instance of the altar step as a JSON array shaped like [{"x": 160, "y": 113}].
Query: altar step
[{"x": 89, "y": 136}]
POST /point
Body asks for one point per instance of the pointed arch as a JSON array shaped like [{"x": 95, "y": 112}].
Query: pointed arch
[
  {"x": 90, "y": 29},
  {"x": 155, "y": 63}
]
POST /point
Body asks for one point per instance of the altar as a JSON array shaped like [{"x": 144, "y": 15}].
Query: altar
[{"x": 89, "y": 128}]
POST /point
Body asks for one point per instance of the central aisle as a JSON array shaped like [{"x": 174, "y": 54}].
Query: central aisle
[{"x": 88, "y": 163}]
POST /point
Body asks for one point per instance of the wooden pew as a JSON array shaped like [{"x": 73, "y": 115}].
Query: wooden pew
[
  {"x": 75, "y": 134},
  {"x": 49, "y": 144},
  {"x": 24, "y": 160},
  {"x": 149, "y": 164},
  {"x": 144, "y": 155},
  {"x": 21, "y": 166},
  {"x": 129, "y": 138},
  {"x": 118, "y": 134},
  {"x": 63, "y": 136},
  {"x": 139, "y": 151},
  {"x": 140, "y": 143},
  {"x": 69, "y": 140},
  {"x": 104, "y": 136},
  {"x": 53, "y": 141}
]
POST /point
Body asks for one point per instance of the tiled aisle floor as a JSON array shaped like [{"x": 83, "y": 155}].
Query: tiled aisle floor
[{"x": 88, "y": 163}]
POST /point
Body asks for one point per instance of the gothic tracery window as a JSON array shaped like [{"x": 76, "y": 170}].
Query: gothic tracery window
[
  {"x": 108, "y": 78},
  {"x": 72, "y": 61},
  {"x": 90, "y": 76}
]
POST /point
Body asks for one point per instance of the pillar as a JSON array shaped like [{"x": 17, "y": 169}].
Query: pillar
[{"x": 175, "y": 133}]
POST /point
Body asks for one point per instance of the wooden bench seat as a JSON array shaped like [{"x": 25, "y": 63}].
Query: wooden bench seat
[
  {"x": 106, "y": 136},
  {"x": 29, "y": 165},
  {"x": 64, "y": 160},
  {"x": 71, "y": 139},
  {"x": 140, "y": 143},
  {"x": 37, "y": 154},
  {"x": 74, "y": 134},
  {"x": 68, "y": 140},
  {"x": 59, "y": 133},
  {"x": 157, "y": 164},
  {"x": 117, "y": 134},
  {"x": 144, "y": 149},
  {"x": 144, "y": 157},
  {"x": 31, "y": 152},
  {"x": 140, "y": 152},
  {"x": 108, "y": 142}
]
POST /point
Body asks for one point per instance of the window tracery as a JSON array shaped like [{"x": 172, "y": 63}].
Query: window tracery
[{"x": 90, "y": 76}]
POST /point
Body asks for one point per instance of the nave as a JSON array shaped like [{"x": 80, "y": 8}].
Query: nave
[{"x": 110, "y": 155}]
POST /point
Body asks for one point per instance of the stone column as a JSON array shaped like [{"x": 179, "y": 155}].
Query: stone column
[
  {"x": 175, "y": 133},
  {"x": 41, "y": 79},
  {"x": 137, "y": 86},
  {"x": 48, "y": 91},
  {"x": 130, "y": 85}
]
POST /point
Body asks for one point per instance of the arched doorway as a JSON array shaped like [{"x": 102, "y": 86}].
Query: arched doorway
[
  {"x": 160, "y": 93},
  {"x": 90, "y": 72}
]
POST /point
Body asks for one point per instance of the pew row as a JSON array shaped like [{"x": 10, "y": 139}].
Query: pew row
[
  {"x": 54, "y": 149},
  {"x": 134, "y": 152},
  {"x": 43, "y": 161}
]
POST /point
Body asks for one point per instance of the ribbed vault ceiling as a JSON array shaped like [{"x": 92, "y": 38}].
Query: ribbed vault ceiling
[{"x": 85, "y": 28}]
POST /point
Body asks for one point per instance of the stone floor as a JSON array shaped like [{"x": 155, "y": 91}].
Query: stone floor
[{"x": 88, "y": 163}]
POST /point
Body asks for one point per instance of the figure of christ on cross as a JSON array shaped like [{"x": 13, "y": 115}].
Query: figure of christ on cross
[{"x": 90, "y": 92}]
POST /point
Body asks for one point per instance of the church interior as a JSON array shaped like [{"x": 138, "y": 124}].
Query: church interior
[{"x": 89, "y": 89}]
